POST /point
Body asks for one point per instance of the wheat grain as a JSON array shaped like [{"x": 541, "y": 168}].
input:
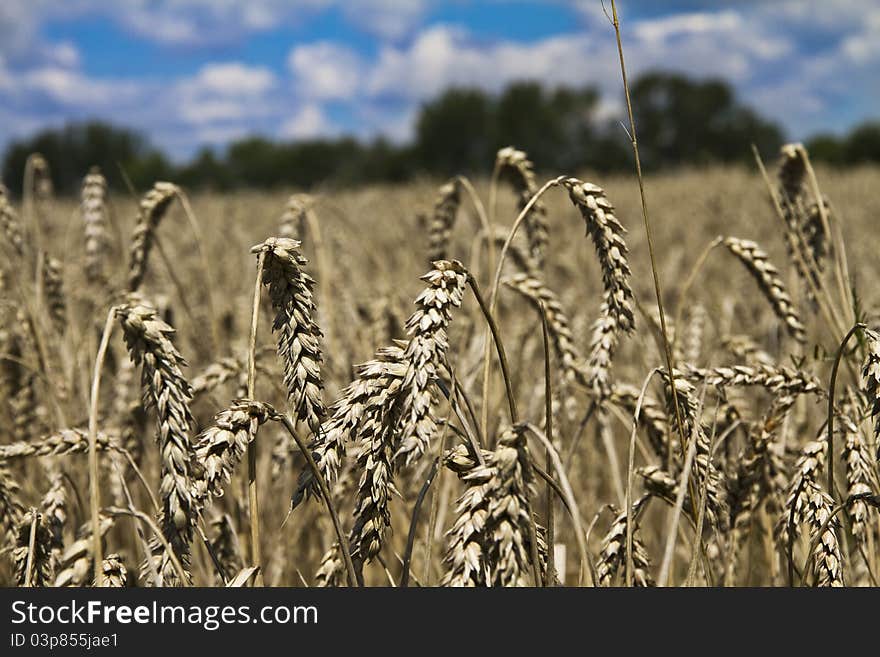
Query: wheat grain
[
  {"x": 75, "y": 566},
  {"x": 53, "y": 285},
  {"x": 379, "y": 377},
  {"x": 871, "y": 380},
  {"x": 11, "y": 508},
  {"x": 652, "y": 417},
  {"x": 558, "y": 324},
  {"x": 827, "y": 557},
  {"x": 331, "y": 572},
  {"x": 747, "y": 351},
  {"x": 607, "y": 235},
  {"x": 54, "y": 509}
]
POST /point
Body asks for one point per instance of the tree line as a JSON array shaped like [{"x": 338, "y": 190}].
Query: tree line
[{"x": 681, "y": 122}]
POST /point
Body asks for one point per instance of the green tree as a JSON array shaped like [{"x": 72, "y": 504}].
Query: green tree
[
  {"x": 682, "y": 121},
  {"x": 863, "y": 143},
  {"x": 454, "y": 133},
  {"x": 71, "y": 150}
]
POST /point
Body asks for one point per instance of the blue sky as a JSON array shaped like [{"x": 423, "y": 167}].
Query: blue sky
[{"x": 188, "y": 73}]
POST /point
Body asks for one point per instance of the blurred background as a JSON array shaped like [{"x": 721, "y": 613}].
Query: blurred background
[{"x": 265, "y": 93}]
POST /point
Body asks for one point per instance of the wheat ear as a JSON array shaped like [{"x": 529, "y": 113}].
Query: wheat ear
[
  {"x": 10, "y": 225},
  {"x": 32, "y": 554},
  {"x": 93, "y": 209},
  {"x": 220, "y": 447},
  {"x": 769, "y": 282},
  {"x": 299, "y": 337},
  {"x": 515, "y": 165},
  {"x": 153, "y": 208},
  {"x": 424, "y": 354},
  {"x": 443, "y": 219},
  {"x": 115, "y": 572},
  {"x": 148, "y": 339},
  {"x": 489, "y": 544},
  {"x": 612, "y": 556}
]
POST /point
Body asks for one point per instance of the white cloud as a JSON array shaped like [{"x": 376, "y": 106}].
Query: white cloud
[
  {"x": 310, "y": 121},
  {"x": 325, "y": 70},
  {"x": 76, "y": 89},
  {"x": 232, "y": 79},
  {"x": 389, "y": 19}
]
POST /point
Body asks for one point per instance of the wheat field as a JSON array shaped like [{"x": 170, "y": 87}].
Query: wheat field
[{"x": 459, "y": 383}]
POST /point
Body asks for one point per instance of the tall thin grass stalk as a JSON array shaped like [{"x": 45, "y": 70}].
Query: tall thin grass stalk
[
  {"x": 550, "y": 572},
  {"x": 831, "y": 386},
  {"x": 571, "y": 503},
  {"x": 94, "y": 484},
  {"x": 253, "y": 501},
  {"x": 670, "y": 361}
]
